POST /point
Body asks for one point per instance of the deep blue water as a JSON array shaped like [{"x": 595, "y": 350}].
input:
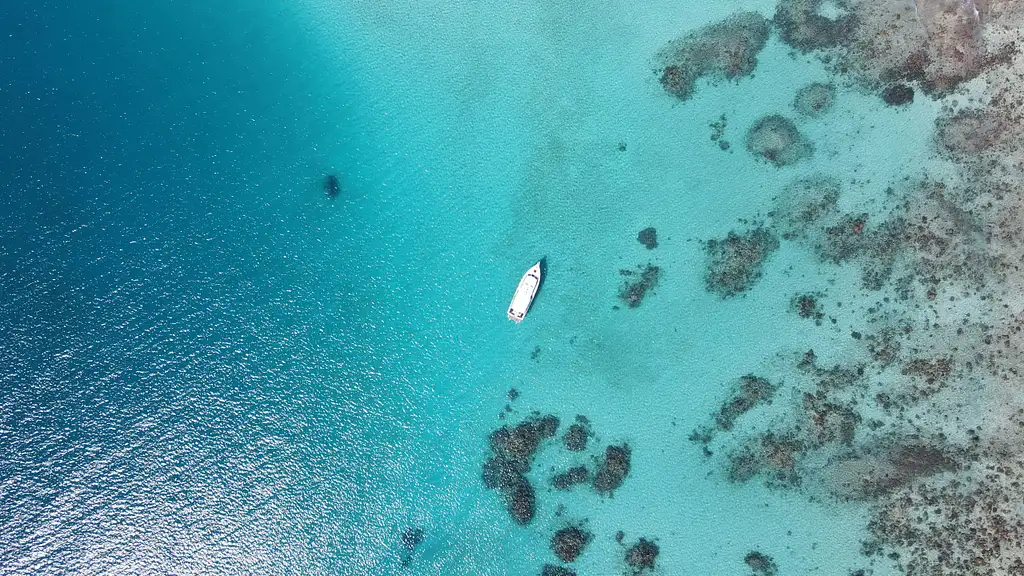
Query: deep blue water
[{"x": 185, "y": 366}]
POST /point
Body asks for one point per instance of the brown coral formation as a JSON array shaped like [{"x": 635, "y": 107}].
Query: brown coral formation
[
  {"x": 750, "y": 391},
  {"x": 723, "y": 51},
  {"x": 776, "y": 140},
  {"x": 512, "y": 450},
  {"x": 569, "y": 542},
  {"x": 613, "y": 469},
  {"x": 802, "y": 25},
  {"x": 641, "y": 556},
  {"x": 735, "y": 262},
  {"x": 633, "y": 292}
]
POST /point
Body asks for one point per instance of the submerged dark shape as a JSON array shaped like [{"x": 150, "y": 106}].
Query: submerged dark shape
[
  {"x": 648, "y": 237},
  {"x": 411, "y": 539},
  {"x": 569, "y": 542},
  {"x": 806, "y": 306},
  {"x": 815, "y": 99},
  {"x": 332, "y": 186},
  {"x": 521, "y": 500},
  {"x": 802, "y": 25},
  {"x": 750, "y": 391},
  {"x": 734, "y": 263},
  {"x": 891, "y": 465},
  {"x": 552, "y": 570},
  {"x": 612, "y": 471},
  {"x": 513, "y": 450},
  {"x": 726, "y": 50},
  {"x": 575, "y": 437},
  {"x": 898, "y": 94},
  {"x": 571, "y": 477},
  {"x": 521, "y": 441},
  {"x": 761, "y": 564},
  {"x": 640, "y": 556},
  {"x": 775, "y": 138},
  {"x": 633, "y": 293}
]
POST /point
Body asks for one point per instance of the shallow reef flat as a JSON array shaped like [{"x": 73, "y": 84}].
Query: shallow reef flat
[
  {"x": 913, "y": 413},
  {"x": 918, "y": 416}
]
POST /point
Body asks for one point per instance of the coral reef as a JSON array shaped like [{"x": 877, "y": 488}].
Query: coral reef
[
  {"x": 970, "y": 132},
  {"x": 633, "y": 293},
  {"x": 576, "y": 436},
  {"x": 815, "y": 99},
  {"x": 761, "y": 564},
  {"x": 718, "y": 132},
  {"x": 776, "y": 140},
  {"x": 898, "y": 94},
  {"x": 921, "y": 418},
  {"x": 640, "y": 556},
  {"x": 648, "y": 237},
  {"x": 802, "y": 25},
  {"x": 750, "y": 391},
  {"x": 723, "y": 51},
  {"x": 807, "y": 306},
  {"x": 735, "y": 262},
  {"x": 552, "y": 570},
  {"x": 571, "y": 477},
  {"x": 512, "y": 455},
  {"x": 889, "y": 465},
  {"x": 613, "y": 469},
  {"x": 569, "y": 542}
]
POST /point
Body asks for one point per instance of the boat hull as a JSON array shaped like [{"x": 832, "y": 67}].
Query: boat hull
[{"x": 525, "y": 293}]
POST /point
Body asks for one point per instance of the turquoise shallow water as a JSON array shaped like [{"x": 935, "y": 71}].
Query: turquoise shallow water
[{"x": 210, "y": 368}]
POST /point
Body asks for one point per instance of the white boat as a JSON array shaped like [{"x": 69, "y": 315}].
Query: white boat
[{"x": 524, "y": 294}]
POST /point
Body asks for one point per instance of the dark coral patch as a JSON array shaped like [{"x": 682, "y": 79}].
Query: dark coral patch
[
  {"x": 513, "y": 450},
  {"x": 569, "y": 542},
  {"x": 761, "y": 564},
  {"x": 576, "y": 436},
  {"x": 641, "y": 556},
  {"x": 750, "y": 392},
  {"x": 776, "y": 139},
  {"x": 898, "y": 95},
  {"x": 571, "y": 477},
  {"x": 613, "y": 469},
  {"x": 521, "y": 500},
  {"x": 411, "y": 539},
  {"x": 332, "y": 186},
  {"x": 828, "y": 421},
  {"x": 521, "y": 441},
  {"x": 552, "y": 570},
  {"x": 734, "y": 263},
  {"x": 726, "y": 50},
  {"x": 648, "y": 237},
  {"x": 802, "y": 25},
  {"x": 633, "y": 293},
  {"x": 807, "y": 306}
]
